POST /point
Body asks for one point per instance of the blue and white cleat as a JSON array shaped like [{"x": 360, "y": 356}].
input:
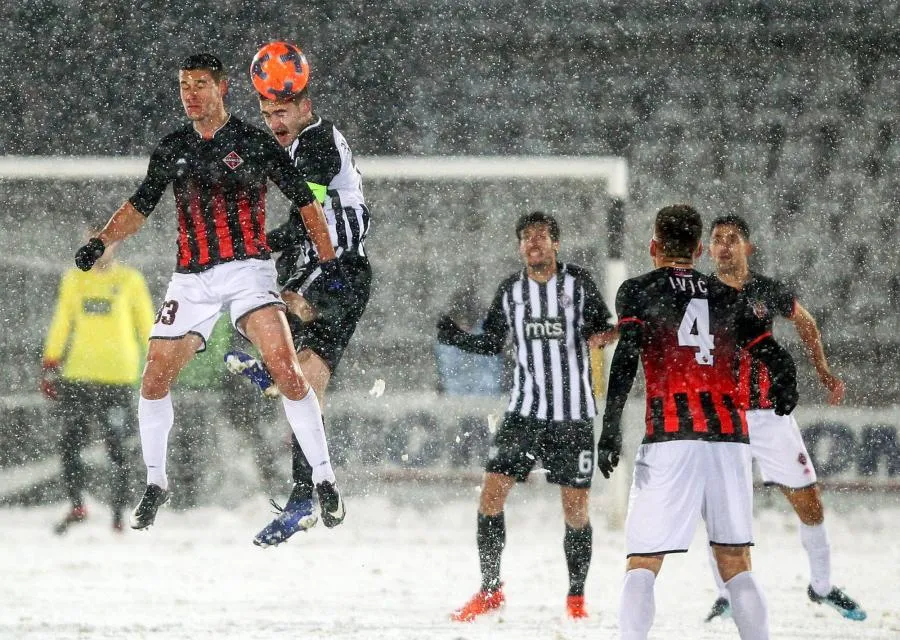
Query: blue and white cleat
[
  {"x": 721, "y": 609},
  {"x": 840, "y": 602},
  {"x": 293, "y": 518},
  {"x": 252, "y": 369}
]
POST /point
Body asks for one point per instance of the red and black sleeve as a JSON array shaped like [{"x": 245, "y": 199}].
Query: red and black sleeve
[{"x": 159, "y": 174}]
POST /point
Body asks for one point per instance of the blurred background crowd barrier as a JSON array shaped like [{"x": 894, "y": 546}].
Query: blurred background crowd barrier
[{"x": 783, "y": 112}]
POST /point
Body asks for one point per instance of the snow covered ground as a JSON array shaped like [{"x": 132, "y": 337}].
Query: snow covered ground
[{"x": 403, "y": 560}]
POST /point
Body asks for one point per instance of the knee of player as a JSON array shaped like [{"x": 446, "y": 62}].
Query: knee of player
[
  {"x": 285, "y": 371},
  {"x": 155, "y": 384},
  {"x": 731, "y": 560},
  {"x": 812, "y": 514}
]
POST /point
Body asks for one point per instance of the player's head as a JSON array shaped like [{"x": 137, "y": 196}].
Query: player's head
[
  {"x": 287, "y": 118},
  {"x": 203, "y": 84},
  {"x": 538, "y": 235},
  {"x": 677, "y": 232},
  {"x": 729, "y": 244}
]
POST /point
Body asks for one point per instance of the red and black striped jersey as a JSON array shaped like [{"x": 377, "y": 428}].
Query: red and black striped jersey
[
  {"x": 220, "y": 191},
  {"x": 768, "y": 298},
  {"x": 692, "y": 327}
]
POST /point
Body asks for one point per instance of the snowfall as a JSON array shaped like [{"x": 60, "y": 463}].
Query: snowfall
[{"x": 402, "y": 561}]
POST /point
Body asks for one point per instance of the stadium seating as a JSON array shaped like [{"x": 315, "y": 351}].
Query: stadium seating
[{"x": 782, "y": 111}]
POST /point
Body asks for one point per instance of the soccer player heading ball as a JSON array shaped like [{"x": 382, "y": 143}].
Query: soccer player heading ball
[
  {"x": 322, "y": 318},
  {"x": 218, "y": 167}
]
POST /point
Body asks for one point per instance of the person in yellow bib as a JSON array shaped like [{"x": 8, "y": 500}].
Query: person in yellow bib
[{"x": 91, "y": 365}]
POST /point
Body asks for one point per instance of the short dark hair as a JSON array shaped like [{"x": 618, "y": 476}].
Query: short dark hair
[
  {"x": 295, "y": 97},
  {"x": 206, "y": 62},
  {"x": 735, "y": 221},
  {"x": 538, "y": 217},
  {"x": 677, "y": 230}
]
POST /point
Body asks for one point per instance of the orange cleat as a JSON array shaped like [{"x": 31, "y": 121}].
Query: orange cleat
[
  {"x": 481, "y": 603},
  {"x": 575, "y": 607},
  {"x": 76, "y": 514}
]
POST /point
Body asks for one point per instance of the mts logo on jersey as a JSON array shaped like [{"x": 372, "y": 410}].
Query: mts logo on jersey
[{"x": 545, "y": 329}]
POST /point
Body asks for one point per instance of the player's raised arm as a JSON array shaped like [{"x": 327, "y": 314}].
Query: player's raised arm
[
  {"x": 133, "y": 213},
  {"x": 812, "y": 340},
  {"x": 293, "y": 185},
  {"x": 488, "y": 343}
]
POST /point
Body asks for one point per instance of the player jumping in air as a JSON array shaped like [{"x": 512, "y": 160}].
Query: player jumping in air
[
  {"x": 321, "y": 324},
  {"x": 219, "y": 168}
]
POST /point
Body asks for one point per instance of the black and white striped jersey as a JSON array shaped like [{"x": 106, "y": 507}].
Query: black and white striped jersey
[
  {"x": 322, "y": 154},
  {"x": 550, "y": 323}
]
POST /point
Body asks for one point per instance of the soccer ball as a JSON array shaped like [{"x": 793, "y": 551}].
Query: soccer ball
[{"x": 279, "y": 71}]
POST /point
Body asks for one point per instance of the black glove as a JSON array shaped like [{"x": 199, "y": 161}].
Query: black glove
[
  {"x": 334, "y": 294},
  {"x": 448, "y": 331},
  {"x": 286, "y": 264},
  {"x": 609, "y": 448},
  {"x": 784, "y": 399},
  {"x": 334, "y": 278},
  {"x": 783, "y": 372},
  {"x": 281, "y": 238},
  {"x": 87, "y": 255}
]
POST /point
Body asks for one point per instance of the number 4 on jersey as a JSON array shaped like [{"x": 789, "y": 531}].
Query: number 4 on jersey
[{"x": 694, "y": 331}]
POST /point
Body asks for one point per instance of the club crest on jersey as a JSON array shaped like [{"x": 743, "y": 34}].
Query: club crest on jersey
[
  {"x": 759, "y": 309},
  {"x": 233, "y": 160},
  {"x": 565, "y": 300},
  {"x": 181, "y": 166}
]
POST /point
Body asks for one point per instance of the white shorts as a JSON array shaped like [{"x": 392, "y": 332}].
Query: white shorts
[
  {"x": 194, "y": 301},
  {"x": 777, "y": 447},
  {"x": 678, "y": 482}
]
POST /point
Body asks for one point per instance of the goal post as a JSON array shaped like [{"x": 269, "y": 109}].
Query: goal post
[{"x": 467, "y": 202}]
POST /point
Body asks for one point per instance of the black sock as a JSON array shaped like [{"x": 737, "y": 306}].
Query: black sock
[
  {"x": 302, "y": 474},
  {"x": 295, "y": 324},
  {"x": 577, "y": 545},
  {"x": 491, "y": 540}
]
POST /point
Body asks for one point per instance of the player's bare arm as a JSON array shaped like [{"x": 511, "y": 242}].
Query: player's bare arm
[
  {"x": 809, "y": 333},
  {"x": 317, "y": 227},
  {"x": 124, "y": 222}
]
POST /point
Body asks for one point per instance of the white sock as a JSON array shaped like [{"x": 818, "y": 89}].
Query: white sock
[
  {"x": 637, "y": 605},
  {"x": 818, "y": 550},
  {"x": 156, "y": 418},
  {"x": 305, "y": 419},
  {"x": 748, "y": 607},
  {"x": 720, "y": 584}
]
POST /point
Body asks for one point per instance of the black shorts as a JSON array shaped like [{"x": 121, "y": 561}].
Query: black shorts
[
  {"x": 566, "y": 450},
  {"x": 328, "y": 336}
]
